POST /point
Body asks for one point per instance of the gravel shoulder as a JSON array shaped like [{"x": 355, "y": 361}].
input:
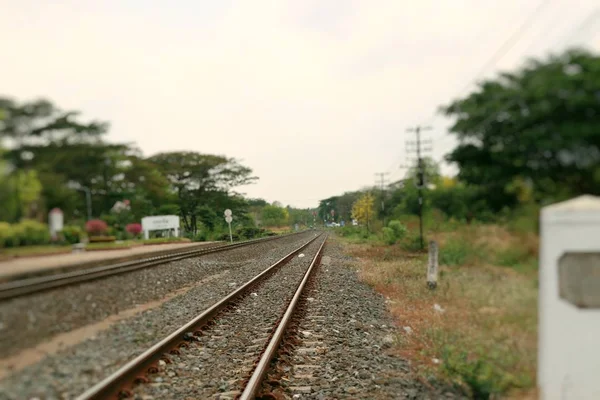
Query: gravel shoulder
[
  {"x": 340, "y": 347},
  {"x": 69, "y": 372}
]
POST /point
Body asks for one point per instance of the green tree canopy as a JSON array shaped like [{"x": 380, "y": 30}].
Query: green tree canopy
[
  {"x": 538, "y": 126},
  {"x": 200, "y": 180}
]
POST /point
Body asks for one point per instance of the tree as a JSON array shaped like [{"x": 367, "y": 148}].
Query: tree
[
  {"x": 38, "y": 136},
  {"x": 40, "y": 121},
  {"x": 200, "y": 180},
  {"x": 535, "y": 129},
  {"x": 363, "y": 209},
  {"x": 273, "y": 215}
]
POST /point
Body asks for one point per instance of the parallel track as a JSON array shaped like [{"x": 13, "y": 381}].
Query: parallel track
[
  {"x": 27, "y": 286},
  {"x": 118, "y": 384}
]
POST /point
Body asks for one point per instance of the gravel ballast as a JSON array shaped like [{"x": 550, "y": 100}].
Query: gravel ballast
[
  {"x": 28, "y": 320},
  {"x": 338, "y": 348},
  {"x": 216, "y": 365},
  {"x": 69, "y": 372}
]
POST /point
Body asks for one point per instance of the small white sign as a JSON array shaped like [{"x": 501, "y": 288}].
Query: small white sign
[
  {"x": 228, "y": 219},
  {"x": 160, "y": 223},
  {"x": 55, "y": 221},
  {"x": 228, "y": 213}
]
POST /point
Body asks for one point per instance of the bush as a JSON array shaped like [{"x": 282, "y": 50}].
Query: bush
[
  {"x": 7, "y": 236},
  {"x": 72, "y": 234},
  {"x": 199, "y": 237},
  {"x": 96, "y": 227},
  {"x": 482, "y": 374},
  {"x": 388, "y": 236},
  {"x": 134, "y": 229},
  {"x": 399, "y": 229},
  {"x": 412, "y": 242},
  {"x": 102, "y": 239},
  {"x": 31, "y": 232},
  {"x": 454, "y": 252}
]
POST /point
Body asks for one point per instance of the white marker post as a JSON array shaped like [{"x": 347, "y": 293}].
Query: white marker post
[
  {"x": 432, "y": 268},
  {"x": 228, "y": 219},
  {"x": 569, "y": 300}
]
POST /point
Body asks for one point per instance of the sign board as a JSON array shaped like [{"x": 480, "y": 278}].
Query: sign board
[
  {"x": 228, "y": 219},
  {"x": 569, "y": 303},
  {"x": 228, "y": 213},
  {"x": 160, "y": 223}
]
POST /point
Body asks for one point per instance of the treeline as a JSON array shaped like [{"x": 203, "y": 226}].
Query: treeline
[
  {"x": 526, "y": 139},
  {"x": 49, "y": 158}
]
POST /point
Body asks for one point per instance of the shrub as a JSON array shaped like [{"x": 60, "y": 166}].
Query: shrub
[
  {"x": 102, "y": 239},
  {"x": 7, "y": 236},
  {"x": 412, "y": 242},
  {"x": 399, "y": 229},
  {"x": 96, "y": 227},
  {"x": 483, "y": 375},
  {"x": 134, "y": 229},
  {"x": 388, "y": 236},
  {"x": 455, "y": 252},
  {"x": 72, "y": 234},
  {"x": 199, "y": 237},
  {"x": 30, "y": 232}
]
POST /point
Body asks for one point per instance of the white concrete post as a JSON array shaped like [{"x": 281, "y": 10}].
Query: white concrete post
[
  {"x": 432, "y": 268},
  {"x": 569, "y": 300}
]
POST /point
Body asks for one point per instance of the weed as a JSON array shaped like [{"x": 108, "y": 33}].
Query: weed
[{"x": 455, "y": 252}]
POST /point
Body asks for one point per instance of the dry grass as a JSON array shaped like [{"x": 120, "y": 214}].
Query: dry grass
[{"x": 487, "y": 335}]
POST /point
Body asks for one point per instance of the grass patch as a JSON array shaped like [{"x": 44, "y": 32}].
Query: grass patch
[
  {"x": 166, "y": 240},
  {"x": 31, "y": 251},
  {"x": 486, "y": 337}
]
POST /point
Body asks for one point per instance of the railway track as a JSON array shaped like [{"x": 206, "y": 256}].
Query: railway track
[
  {"x": 22, "y": 287},
  {"x": 231, "y": 343}
]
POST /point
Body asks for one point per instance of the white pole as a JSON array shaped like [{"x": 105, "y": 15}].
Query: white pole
[
  {"x": 230, "y": 235},
  {"x": 432, "y": 268}
]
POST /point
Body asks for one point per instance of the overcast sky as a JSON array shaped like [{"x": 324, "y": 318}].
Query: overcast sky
[{"x": 314, "y": 96}]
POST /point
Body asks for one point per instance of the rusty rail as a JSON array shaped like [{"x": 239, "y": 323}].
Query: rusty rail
[
  {"x": 262, "y": 367},
  {"x": 118, "y": 383},
  {"x": 23, "y": 287}
]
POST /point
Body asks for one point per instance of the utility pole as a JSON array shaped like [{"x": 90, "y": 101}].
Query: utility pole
[
  {"x": 420, "y": 181},
  {"x": 382, "y": 184}
]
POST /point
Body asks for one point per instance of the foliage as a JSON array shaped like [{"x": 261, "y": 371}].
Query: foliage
[
  {"x": 195, "y": 177},
  {"x": 273, "y": 215},
  {"x": 532, "y": 134},
  {"x": 6, "y": 235},
  {"x": 398, "y": 228},
  {"x": 102, "y": 239},
  {"x": 455, "y": 251},
  {"x": 96, "y": 227},
  {"x": 363, "y": 209},
  {"x": 481, "y": 374},
  {"x": 389, "y": 236},
  {"x": 72, "y": 234},
  {"x": 30, "y": 232},
  {"x": 134, "y": 229}
]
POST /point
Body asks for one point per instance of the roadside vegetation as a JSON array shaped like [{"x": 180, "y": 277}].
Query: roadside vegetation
[
  {"x": 526, "y": 139},
  {"x": 51, "y": 160},
  {"x": 478, "y": 329}
]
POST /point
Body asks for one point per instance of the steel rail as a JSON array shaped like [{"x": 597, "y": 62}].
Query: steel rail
[
  {"x": 113, "y": 386},
  {"x": 262, "y": 367},
  {"x": 27, "y": 286}
]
